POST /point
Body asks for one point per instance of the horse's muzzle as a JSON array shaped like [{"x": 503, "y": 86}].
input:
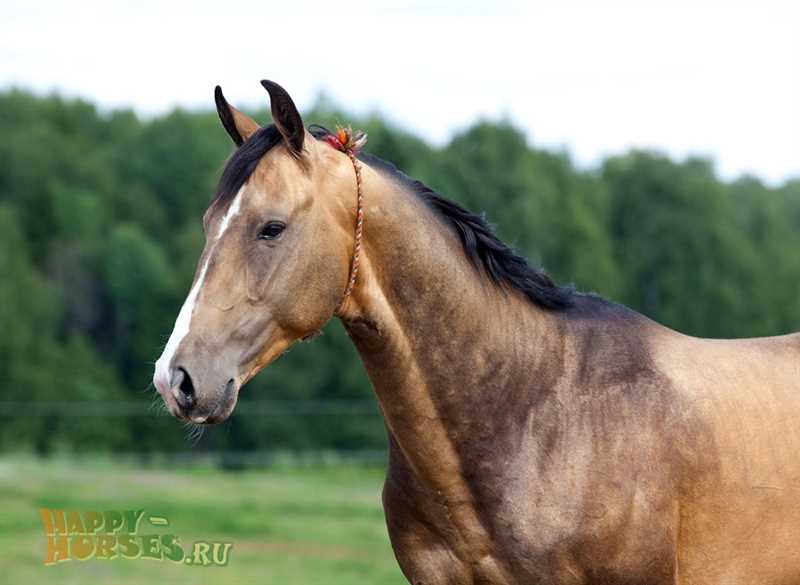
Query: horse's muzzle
[{"x": 188, "y": 401}]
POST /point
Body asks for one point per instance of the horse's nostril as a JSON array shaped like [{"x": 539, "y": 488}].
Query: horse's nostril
[{"x": 186, "y": 387}]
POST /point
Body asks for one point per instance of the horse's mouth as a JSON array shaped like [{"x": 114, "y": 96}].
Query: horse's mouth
[
  {"x": 215, "y": 411},
  {"x": 221, "y": 409}
]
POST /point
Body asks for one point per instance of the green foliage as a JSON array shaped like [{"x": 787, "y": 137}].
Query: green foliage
[{"x": 100, "y": 231}]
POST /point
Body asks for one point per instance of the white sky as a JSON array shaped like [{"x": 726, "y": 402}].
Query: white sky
[{"x": 596, "y": 77}]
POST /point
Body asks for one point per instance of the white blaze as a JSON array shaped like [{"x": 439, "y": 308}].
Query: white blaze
[{"x": 184, "y": 320}]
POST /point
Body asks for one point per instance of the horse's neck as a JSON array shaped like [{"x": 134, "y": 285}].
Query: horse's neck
[{"x": 442, "y": 345}]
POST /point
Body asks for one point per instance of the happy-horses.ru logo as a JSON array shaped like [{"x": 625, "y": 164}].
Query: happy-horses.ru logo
[{"x": 114, "y": 534}]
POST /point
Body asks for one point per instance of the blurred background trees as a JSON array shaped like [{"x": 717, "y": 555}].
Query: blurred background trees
[{"x": 100, "y": 229}]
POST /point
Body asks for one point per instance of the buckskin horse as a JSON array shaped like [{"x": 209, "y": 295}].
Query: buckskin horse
[{"x": 536, "y": 434}]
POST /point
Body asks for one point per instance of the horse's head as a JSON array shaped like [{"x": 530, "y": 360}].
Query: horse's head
[{"x": 279, "y": 237}]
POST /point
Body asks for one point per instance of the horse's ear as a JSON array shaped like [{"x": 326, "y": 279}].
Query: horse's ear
[
  {"x": 285, "y": 116},
  {"x": 240, "y": 126}
]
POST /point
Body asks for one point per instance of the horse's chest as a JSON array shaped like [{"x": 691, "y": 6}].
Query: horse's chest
[{"x": 531, "y": 532}]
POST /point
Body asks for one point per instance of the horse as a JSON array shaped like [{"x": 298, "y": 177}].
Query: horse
[{"x": 536, "y": 434}]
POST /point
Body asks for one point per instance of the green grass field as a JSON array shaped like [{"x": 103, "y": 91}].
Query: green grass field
[{"x": 288, "y": 525}]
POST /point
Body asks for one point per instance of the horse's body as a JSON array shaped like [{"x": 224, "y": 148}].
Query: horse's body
[
  {"x": 589, "y": 445},
  {"x": 531, "y": 440}
]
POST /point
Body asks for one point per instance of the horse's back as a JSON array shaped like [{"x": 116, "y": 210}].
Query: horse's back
[{"x": 740, "y": 513}]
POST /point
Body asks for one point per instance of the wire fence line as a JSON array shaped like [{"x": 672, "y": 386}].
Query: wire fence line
[
  {"x": 311, "y": 438},
  {"x": 264, "y": 408},
  {"x": 217, "y": 458},
  {"x": 229, "y": 458},
  {"x": 278, "y": 458}
]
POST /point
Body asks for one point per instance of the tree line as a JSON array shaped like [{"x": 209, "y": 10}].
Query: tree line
[{"x": 100, "y": 229}]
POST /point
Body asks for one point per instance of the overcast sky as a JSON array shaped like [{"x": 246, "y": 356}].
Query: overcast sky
[{"x": 720, "y": 79}]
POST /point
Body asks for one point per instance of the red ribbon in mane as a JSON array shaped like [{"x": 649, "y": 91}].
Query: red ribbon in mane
[{"x": 347, "y": 140}]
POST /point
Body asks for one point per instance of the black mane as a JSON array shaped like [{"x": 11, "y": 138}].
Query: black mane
[{"x": 484, "y": 249}]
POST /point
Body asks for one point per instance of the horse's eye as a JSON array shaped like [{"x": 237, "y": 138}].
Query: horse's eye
[{"x": 272, "y": 230}]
